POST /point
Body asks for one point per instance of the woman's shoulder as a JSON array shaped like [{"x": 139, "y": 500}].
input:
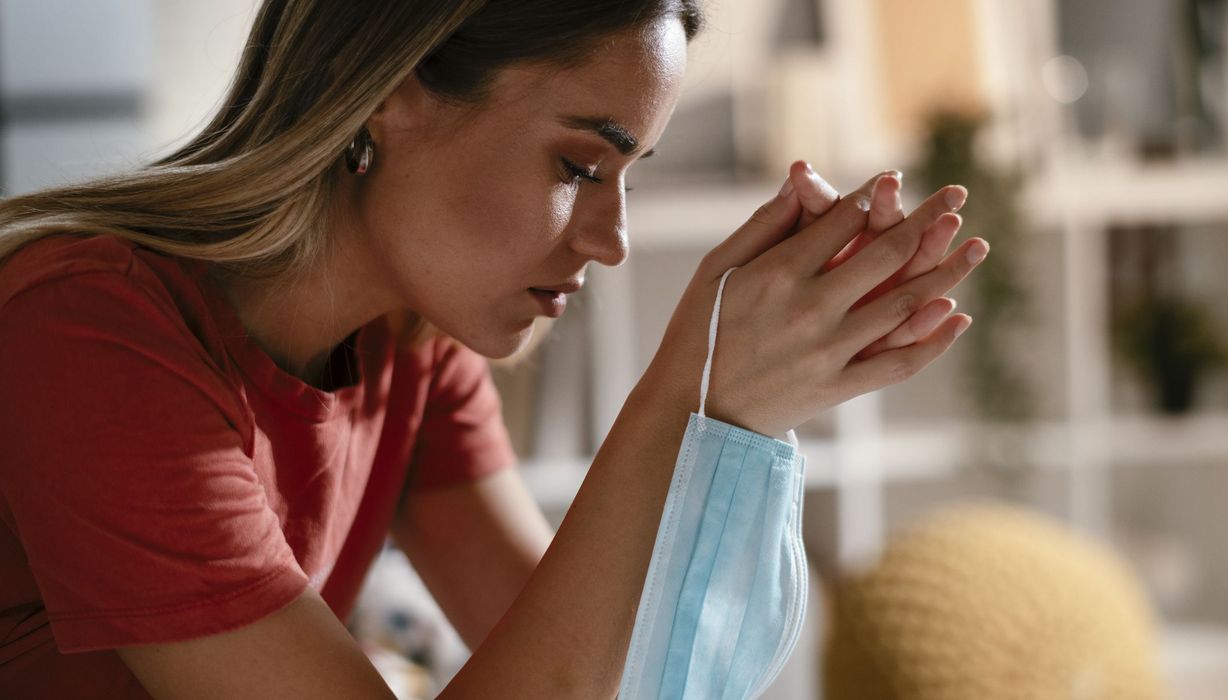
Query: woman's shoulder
[
  {"x": 62, "y": 255},
  {"x": 107, "y": 281}
]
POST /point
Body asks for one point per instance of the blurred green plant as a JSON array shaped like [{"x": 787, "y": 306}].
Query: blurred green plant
[
  {"x": 1170, "y": 342},
  {"x": 999, "y": 301}
]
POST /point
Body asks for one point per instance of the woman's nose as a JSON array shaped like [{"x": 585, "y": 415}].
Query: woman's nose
[{"x": 604, "y": 238}]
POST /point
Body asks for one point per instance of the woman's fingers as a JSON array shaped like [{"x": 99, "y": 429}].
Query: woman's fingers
[
  {"x": 806, "y": 251},
  {"x": 886, "y": 210},
  {"x": 886, "y": 206},
  {"x": 888, "y": 253},
  {"x": 920, "y": 325},
  {"x": 789, "y": 335},
  {"x": 897, "y": 365},
  {"x": 933, "y": 248},
  {"x": 816, "y": 195},
  {"x": 883, "y": 315},
  {"x": 771, "y": 223},
  {"x": 934, "y": 244}
]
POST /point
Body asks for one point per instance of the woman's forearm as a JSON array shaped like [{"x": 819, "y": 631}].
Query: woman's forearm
[{"x": 567, "y": 633}]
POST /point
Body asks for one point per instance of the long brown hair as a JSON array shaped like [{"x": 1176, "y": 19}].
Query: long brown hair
[{"x": 250, "y": 192}]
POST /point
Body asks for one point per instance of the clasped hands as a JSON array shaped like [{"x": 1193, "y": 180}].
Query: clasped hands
[
  {"x": 886, "y": 210},
  {"x": 833, "y": 296}
]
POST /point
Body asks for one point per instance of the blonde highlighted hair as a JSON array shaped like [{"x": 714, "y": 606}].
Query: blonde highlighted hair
[{"x": 251, "y": 192}]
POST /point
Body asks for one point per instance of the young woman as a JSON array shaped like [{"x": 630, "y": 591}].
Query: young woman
[{"x": 229, "y": 375}]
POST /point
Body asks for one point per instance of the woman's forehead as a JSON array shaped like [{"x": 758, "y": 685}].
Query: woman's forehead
[{"x": 627, "y": 83}]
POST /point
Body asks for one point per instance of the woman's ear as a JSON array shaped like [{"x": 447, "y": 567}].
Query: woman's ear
[{"x": 410, "y": 108}]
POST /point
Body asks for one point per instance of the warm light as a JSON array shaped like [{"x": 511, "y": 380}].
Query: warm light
[{"x": 1065, "y": 78}]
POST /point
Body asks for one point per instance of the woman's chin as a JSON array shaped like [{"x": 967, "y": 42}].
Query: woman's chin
[{"x": 499, "y": 346}]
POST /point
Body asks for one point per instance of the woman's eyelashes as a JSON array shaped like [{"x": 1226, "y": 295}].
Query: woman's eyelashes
[{"x": 578, "y": 174}]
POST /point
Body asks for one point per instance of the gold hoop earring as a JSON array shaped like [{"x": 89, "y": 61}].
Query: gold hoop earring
[{"x": 361, "y": 153}]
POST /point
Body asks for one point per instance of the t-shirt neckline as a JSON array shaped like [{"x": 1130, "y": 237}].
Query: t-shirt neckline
[{"x": 286, "y": 389}]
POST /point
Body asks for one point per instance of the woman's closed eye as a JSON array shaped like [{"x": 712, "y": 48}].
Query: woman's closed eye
[{"x": 579, "y": 174}]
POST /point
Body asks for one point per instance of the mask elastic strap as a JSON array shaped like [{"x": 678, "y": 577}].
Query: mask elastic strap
[{"x": 703, "y": 384}]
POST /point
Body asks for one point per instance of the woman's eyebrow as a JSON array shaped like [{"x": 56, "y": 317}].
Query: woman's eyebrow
[{"x": 618, "y": 135}]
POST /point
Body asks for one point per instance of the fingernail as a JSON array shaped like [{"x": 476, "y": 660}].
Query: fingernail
[
  {"x": 821, "y": 186},
  {"x": 787, "y": 188},
  {"x": 862, "y": 202},
  {"x": 963, "y": 326},
  {"x": 895, "y": 173},
  {"x": 977, "y": 252},
  {"x": 956, "y": 196}
]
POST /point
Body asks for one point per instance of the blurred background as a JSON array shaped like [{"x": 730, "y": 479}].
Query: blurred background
[{"x": 1091, "y": 390}]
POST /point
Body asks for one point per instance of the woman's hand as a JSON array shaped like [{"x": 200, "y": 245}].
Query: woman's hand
[
  {"x": 789, "y": 327},
  {"x": 886, "y": 210}
]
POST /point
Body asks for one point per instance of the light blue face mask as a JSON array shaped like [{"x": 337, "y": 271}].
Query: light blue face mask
[{"x": 725, "y": 593}]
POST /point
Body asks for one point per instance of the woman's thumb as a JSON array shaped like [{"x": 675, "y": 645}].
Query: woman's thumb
[{"x": 770, "y": 224}]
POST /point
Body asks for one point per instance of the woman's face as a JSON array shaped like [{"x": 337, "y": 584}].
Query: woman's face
[{"x": 463, "y": 213}]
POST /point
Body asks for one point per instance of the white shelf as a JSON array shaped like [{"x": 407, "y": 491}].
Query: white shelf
[
  {"x": 554, "y": 482},
  {"x": 1194, "y": 660},
  {"x": 920, "y": 452},
  {"x": 1146, "y": 440},
  {"x": 1124, "y": 191}
]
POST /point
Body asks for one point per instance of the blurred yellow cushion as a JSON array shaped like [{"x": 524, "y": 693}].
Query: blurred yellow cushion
[{"x": 990, "y": 601}]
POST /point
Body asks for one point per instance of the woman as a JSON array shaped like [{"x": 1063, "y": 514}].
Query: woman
[{"x": 230, "y": 374}]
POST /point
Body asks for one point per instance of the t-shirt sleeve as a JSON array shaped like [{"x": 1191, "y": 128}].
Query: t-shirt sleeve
[
  {"x": 462, "y": 436},
  {"x": 123, "y": 472}
]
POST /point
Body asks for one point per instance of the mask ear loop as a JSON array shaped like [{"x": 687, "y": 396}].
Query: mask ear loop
[{"x": 703, "y": 384}]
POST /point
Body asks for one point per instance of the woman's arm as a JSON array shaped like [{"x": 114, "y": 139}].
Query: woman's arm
[
  {"x": 301, "y": 651},
  {"x": 567, "y": 633},
  {"x": 474, "y": 545}
]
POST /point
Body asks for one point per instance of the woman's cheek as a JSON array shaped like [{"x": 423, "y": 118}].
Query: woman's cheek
[{"x": 559, "y": 210}]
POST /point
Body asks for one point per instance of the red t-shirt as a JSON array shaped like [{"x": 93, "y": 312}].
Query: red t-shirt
[{"x": 161, "y": 478}]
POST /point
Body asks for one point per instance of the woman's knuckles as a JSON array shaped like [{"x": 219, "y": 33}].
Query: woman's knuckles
[
  {"x": 765, "y": 216},
  {"x": 918, "y": 326},
  {"x": 940, "y": 279},
  {"x": 900, "y": 367},
  {"x": 785, "y": 341},
  {"x": 904, "y": 305},
  {"x": 934, "y": 244},
  {"x": 930, "y": 211}
]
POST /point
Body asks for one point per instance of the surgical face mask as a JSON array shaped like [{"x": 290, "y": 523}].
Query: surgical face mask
[{"x": 725, "y": 593}]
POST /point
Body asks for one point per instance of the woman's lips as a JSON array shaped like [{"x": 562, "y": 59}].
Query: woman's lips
[{"x": 552, "y": 303}]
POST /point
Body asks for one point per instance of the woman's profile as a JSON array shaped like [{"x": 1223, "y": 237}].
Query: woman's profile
[{"x": 229, "y": 375}]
